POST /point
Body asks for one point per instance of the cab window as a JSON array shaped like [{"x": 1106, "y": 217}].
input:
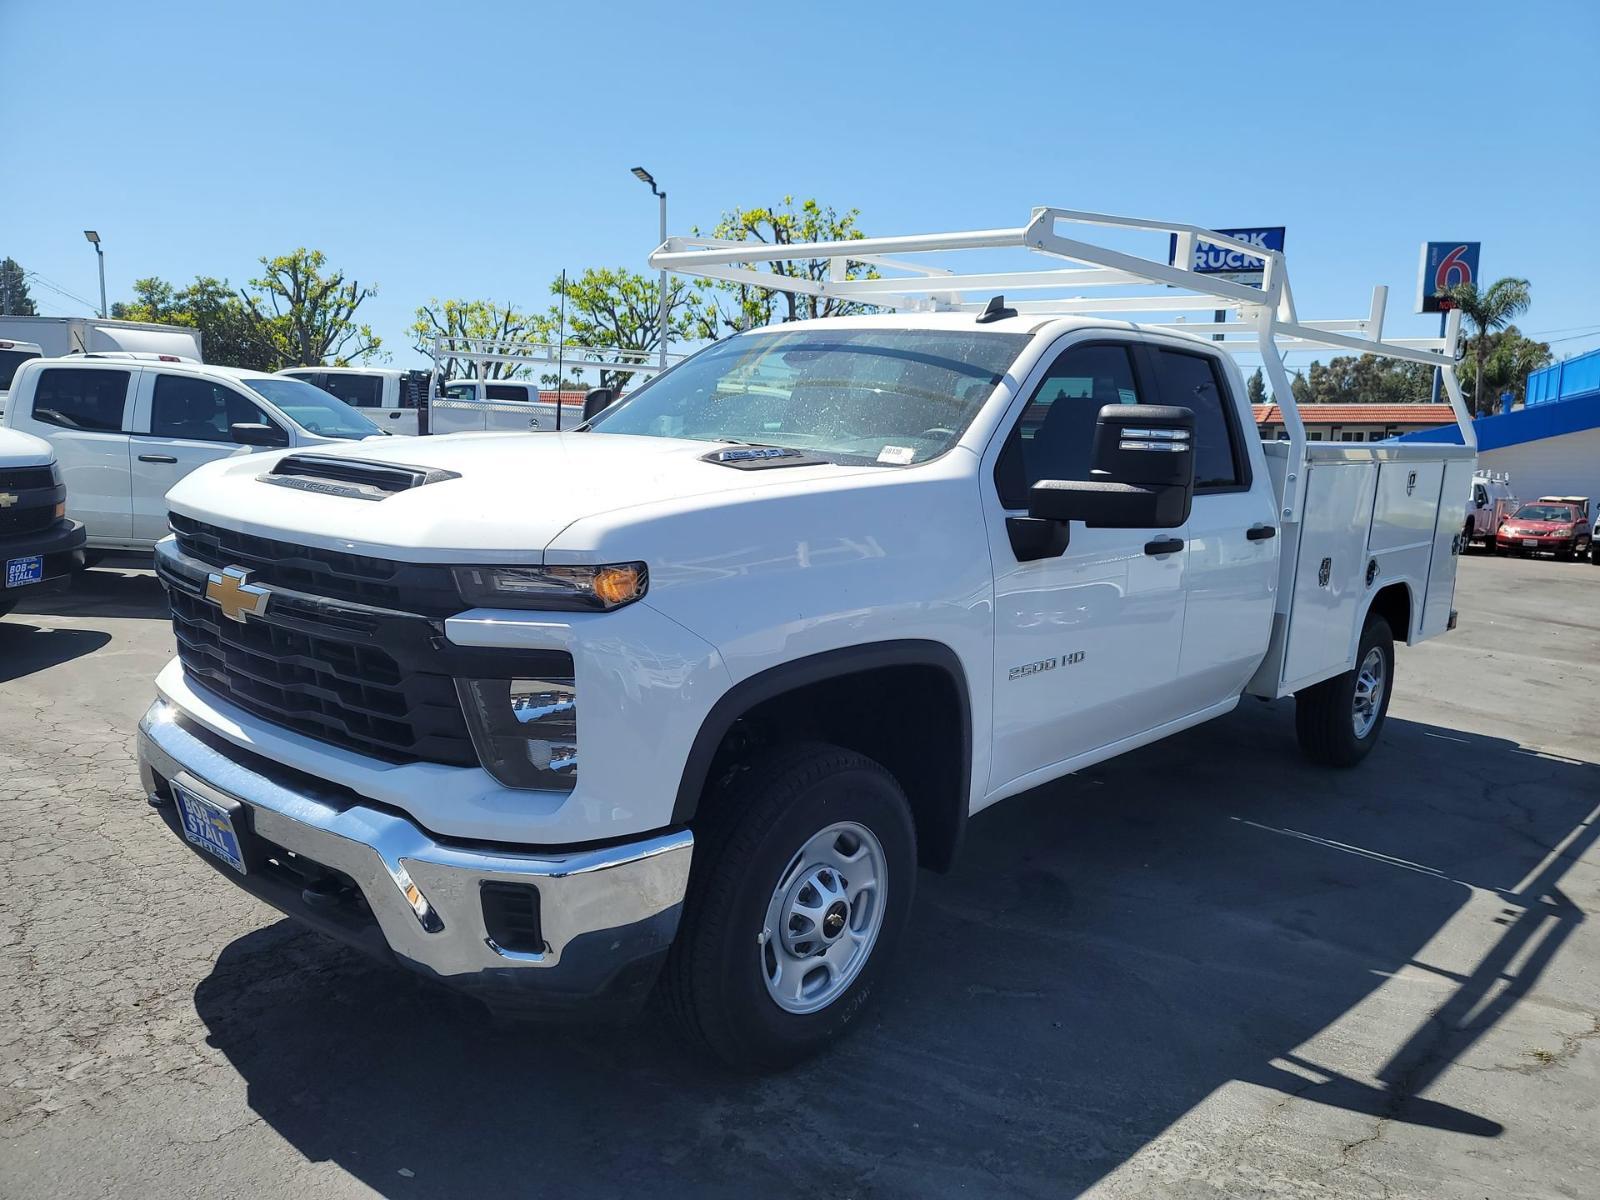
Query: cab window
[
  {"x": 81, "y": 398},
  {"x": 199, "y": 410},
  {"x": 359, "y": 391},
  {"x": 505, "y": 391},
  {"x": 1054, "y": 437}
]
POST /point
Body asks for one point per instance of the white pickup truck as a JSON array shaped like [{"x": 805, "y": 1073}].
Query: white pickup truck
[
  {"x": 125, "y": 427},
  {"x": 683, "y": 700}
]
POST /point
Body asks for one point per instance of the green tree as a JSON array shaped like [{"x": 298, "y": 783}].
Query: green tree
[
  {"x": 734, "y": 307},
  {"x": 1508, "y": 358},
  {"x": 1368, "y": 379},
  {"x": 1256, "y": 388},
  {"x": 230, "y": 333},
  {"x": 14, "y": 298},
  {"x": 480, "y": 321},
  {"x": 310, "y": 311},
  {"x": 612, "y": 308},
  {"x": 1487, "y": 310}
]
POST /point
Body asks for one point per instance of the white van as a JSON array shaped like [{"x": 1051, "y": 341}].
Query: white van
[
  {"x": 125, "y": 428},
  {"x": 390, "y": 397}
]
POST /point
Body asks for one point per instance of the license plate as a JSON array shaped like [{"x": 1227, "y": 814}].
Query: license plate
[
  {"x": 1530, "y": 541},
  {"x": 209, "y": 827},
  {"x": 20, "y": 571}
]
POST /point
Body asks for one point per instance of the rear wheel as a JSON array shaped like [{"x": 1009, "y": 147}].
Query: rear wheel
[
  {"x": 804, "y": 873},
  {"x": 1338, "y": 720}
]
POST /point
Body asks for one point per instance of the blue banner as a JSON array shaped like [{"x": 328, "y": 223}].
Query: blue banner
[{"x": 1211, "y": 259}]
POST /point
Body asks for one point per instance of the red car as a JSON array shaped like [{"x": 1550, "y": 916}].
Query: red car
[{"x": 1558, "y": 526}]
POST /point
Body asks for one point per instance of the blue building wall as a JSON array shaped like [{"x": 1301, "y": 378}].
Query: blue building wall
[{"x": 1567, "y": 380}]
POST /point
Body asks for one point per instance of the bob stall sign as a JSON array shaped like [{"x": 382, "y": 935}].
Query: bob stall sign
[{"x": 1211, "y": 259}]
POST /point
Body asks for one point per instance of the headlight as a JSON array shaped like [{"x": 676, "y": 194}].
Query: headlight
[
  {"x": 525, "y": 730},
  {"x": 601, "y": 588}
]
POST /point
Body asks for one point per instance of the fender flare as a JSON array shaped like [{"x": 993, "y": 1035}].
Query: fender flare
[{"x": 816, "y": 668}]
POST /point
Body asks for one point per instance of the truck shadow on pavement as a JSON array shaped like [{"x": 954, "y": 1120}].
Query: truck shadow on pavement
[
  {"x": 117, "y": 590},
  {"x": 26, "y": 649},
  {"x": 1110, "y": 950}
]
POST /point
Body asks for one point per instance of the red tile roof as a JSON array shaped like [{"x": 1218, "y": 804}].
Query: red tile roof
[{"x": 1361, "y": 414}]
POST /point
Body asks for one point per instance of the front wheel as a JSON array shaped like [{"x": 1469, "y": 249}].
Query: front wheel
[
  {"x": 1338, "y": 720},
  {"x": 804, "y": 873}
]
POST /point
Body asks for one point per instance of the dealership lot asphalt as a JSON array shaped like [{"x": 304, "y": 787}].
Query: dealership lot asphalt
[{"x": 1208, "y": 970}]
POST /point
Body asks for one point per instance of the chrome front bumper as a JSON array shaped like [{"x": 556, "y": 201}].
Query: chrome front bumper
[{"x": 606, "y": 916}]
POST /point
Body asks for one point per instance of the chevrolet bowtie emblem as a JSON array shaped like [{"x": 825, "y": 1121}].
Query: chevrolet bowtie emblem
[
  {"x": 7, "y": 499},
  {"x": 229, "y": 592}
]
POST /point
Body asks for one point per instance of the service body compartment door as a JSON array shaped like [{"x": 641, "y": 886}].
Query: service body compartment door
[
  {"x": 1330, "y": 577},
  {"x": 1448, "y": 525}
]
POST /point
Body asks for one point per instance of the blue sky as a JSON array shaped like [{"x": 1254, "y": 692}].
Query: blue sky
[{"x": 473, "y": 150}]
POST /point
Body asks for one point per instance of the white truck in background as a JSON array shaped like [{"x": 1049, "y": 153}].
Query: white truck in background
[
  {"x": 58, "y": 337},
  {"x": 125, "y": 427},
  {"x": 392, "y": 398},
  {"x": 681, "y": 701}
]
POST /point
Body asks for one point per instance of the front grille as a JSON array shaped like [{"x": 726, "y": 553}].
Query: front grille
[
  {"x": 348, "y": 692},
  {"x": 406, "y": 587},
  {"x": 20, "y": 478},
  {"x": 26, "y": 520}
]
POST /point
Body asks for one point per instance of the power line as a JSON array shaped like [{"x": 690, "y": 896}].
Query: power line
[{"x": 57, "y": 288}]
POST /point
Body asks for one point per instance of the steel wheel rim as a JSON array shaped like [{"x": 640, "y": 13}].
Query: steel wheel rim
[
  {"x": 823, "y": 918},
  {"x": 1368, "y": 703}
]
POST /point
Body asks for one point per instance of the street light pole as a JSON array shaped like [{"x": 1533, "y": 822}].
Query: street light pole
[
  {"x": 645, "y": 177},
  {"x": 94, "y": 240}
]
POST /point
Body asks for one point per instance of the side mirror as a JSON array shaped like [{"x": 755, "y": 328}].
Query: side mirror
[
  {"x": 258, "y": 434},
  {"x": 1141, "y": 472},
  {"x": 597, "y": 401}
]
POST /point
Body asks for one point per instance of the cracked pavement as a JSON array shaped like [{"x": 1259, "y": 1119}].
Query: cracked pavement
[{"x": 1207, "y": 970}]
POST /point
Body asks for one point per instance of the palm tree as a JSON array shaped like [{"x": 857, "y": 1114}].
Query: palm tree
[{"x": 1491, "y": 309}]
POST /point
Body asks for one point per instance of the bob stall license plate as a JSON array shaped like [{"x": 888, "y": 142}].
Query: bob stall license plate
[
  {"x": 209, "y": 827},
  {"x": 1530, "y": 541},
  {"x": 23, "y": 571}
]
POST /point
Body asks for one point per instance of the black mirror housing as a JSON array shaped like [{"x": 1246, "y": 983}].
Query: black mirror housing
[
  {"x": 1141, "y": 476},
  {"x": 597, "y": 400},
  {"x": 257, "y": 434}
]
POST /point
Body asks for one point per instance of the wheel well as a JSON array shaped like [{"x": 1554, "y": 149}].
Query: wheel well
[
  {"x": 1393, "y": 604},
  {"x": 910, "y": 716}
]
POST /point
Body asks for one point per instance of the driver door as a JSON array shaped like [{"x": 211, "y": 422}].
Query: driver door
[
  {"x": 180, "y": 423},
  {"x": 1086, "y": 641}
]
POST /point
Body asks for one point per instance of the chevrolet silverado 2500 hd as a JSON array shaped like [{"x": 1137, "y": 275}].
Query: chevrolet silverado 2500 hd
[{"x": 683, "y": 700}]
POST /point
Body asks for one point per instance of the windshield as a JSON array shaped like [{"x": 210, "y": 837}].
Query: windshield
[
  {"x": 889, "y": 396},
  {"x": 313, "y": 409},
  {"x": 10, "y": 360},
  {"x": 1544, "y": 512}
]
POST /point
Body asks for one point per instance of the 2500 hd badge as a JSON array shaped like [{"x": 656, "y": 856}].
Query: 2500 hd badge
[{"x": 1045, "y": 664}]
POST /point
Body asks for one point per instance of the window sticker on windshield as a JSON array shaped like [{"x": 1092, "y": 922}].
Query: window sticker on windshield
[{"x": 899, "y": 455}]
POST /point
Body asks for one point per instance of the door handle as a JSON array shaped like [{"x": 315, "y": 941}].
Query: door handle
[
  {"x": 166, "y": 458},
  {"x": 1164, "y": 546},
  {"x": 1257, "y": 533}
]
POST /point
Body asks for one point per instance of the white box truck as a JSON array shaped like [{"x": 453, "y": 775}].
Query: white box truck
[{"x": 57, "y": 337}]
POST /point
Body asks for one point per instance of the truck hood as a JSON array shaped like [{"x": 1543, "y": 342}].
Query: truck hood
[
  {"x": 18, "y": 449},
  {"x": 510, "y": 494}
]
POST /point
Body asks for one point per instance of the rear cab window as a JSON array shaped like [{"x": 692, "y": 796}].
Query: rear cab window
[
  {"x": 1195, "y": 381},
  {"x": 358, "y": 391},
  {"x": 91, "y": 399},
  {"x": 10, "y": 360},
  {"x": 506, "y": 391}
]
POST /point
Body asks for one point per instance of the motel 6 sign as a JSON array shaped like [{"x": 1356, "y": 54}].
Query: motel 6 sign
[{"x": 1444, "y": 265}]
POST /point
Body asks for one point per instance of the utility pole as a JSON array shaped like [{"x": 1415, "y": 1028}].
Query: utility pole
[{"x": 645, "y": 177}]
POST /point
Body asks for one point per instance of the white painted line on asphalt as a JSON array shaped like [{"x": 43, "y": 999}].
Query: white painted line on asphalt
[{"x": 1445, "y": 738}]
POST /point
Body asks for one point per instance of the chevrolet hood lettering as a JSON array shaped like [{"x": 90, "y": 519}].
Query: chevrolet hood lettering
[{"x": 230, "y": 591}]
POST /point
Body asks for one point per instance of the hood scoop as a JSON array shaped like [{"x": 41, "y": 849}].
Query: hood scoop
[
  {"x": 353, "y": 478},
  {"x": 760, "y": 458}
]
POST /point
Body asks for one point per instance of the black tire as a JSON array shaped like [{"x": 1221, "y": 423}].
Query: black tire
[
  {"x": 6, "y": 606},
  {"x": 93, "y": 558},
  {"x": 1323, "y": 713},
  {"x": 713, "y": 986},
  {"x": 1466, "y": 537}
]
